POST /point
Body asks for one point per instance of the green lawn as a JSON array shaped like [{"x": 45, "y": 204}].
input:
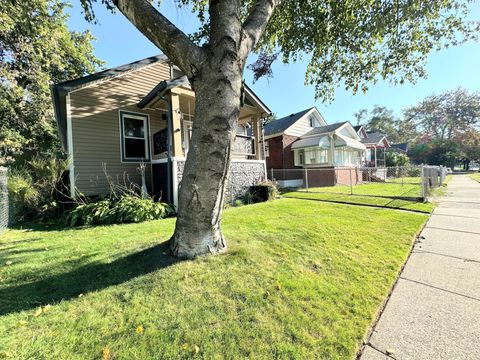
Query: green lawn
[
  {"x": 301, "y": 280},
  {"x": 390, "y": 195},
  {"x": 475, "y": 176}
]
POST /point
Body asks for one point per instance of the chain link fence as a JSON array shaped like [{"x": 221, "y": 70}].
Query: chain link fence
[
  {"x": 408, "y": 182},
  {"x": 4, "y": 205}
]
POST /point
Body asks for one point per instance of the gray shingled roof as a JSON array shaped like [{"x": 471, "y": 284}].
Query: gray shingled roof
[
  {"x": 401, "y": 146},
  {"x": 357, "y": 127},
  {"x": 373, "y": 138},
  {"x": 280, "y": 125},
  {"x": 325, "y": 129}
]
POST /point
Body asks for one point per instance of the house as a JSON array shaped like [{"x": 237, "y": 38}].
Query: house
[
  {"x": 376, "y": 145},
  {"x": 112, "y": 121},
  {"x": 304, "y": 140},
  {"x": 401, "y": 148},
  {"x": 281, "y": 133}
]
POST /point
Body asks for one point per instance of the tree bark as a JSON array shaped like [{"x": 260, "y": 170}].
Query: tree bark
[
  {"x": 215, "y": 73},
  {"x": 217, "y": 108}
]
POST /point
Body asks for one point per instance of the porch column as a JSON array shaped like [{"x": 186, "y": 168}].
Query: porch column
[
  {"x": 257, "y": 133},
  {"x": 332, "y": 150},
  {"x": 177, "y": 126},
  {"x": 375, "y": 151}
]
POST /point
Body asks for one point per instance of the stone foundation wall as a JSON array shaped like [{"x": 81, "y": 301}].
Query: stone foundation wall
[{"x": 242, "y": 175}]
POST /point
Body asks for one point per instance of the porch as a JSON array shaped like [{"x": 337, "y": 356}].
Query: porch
[
  {"x": 374, "y": 157},
  {"x": 175, "y": 100}
]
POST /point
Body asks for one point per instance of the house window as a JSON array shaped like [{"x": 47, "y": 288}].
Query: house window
[
  {"x": 187, "y": 135},
  {"x": 312, "y": 121},
  {"x": 267, "y": 149},
  {"x": 301, "y": 157},
  {"x": 323, "y": 156},
  {"x": 134, "y": 136}
]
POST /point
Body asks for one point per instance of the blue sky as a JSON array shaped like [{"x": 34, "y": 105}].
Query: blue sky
[{"x": 118, "y": 42}]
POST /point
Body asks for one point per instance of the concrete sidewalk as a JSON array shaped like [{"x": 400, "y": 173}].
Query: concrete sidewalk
[{"x": 434, "y": 310}]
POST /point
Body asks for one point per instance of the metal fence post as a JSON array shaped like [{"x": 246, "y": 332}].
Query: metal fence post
[
  {"x": 306, "y": 180},
  {"x": 424, "y": 183}
]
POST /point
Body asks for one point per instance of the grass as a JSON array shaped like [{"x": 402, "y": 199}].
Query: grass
[
  {"x": 475, "y": 176},
  {"x": 301, "y": 280},
  {"x": 390, "y": 195}
]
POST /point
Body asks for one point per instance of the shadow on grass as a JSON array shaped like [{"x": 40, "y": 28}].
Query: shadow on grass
[{"x": 84, "y": 279}]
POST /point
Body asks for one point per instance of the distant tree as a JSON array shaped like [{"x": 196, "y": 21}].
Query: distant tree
[
  {"x": 383, "y": 120},
  {"x": 36, "y": 50},
  {"x": 352, "y": 42},
  {"x": 469, "y": 144},
  {"x": 447, "y": 116},
  {"x": 436, "y": 152}
]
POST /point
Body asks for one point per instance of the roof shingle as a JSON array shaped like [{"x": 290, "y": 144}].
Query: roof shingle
[
  {"x": 325, "y": 129},
  {"x": 282, "y": 124}
]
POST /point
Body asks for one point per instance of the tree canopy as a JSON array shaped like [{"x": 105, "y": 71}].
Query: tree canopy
[
  {"x": 36, "y": 50},
  {"x": 352, "y": 43}
]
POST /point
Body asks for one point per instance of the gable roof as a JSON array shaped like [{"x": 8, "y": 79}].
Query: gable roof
[
  {"x": 60, "y": 91},
  {"x": 401, "y": 146},
  {"x": 357, "y": 128},
  {"x": 374, "y": 138},
  {"x": 282, "y": 124},
  {"x": 326, "y": 128}
]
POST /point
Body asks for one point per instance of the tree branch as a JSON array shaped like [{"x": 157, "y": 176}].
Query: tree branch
[
  {"x": 165, "y": 35},
  {"x": 255, "y": 24}
]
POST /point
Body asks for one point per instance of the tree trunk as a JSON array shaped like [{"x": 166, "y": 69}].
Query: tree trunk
[{"x": 217, "y": 90}]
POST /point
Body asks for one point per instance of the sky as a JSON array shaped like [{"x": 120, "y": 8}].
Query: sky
[{"x": 118, "y": 42}]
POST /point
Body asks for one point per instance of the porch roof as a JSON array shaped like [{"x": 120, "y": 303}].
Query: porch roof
[
  {"x": 350, "y": 142},
  {"x": 155, "y": 94},
  {"x": 318, "y": 141}
]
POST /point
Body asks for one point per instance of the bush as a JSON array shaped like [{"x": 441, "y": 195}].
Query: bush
[
  {"x": 261, "y": 192},
  {"x": 124, "y": 208},
  {"x": 33, "y": 188}
]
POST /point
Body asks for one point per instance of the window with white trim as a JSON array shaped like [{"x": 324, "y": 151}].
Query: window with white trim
[
  {"x": 267, "y": 149},
  {"x": 134, "y": 136},
  {"x": 187, "y": 134}
]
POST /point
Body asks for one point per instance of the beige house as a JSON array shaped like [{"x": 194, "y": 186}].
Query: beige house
[{"x": 112, "y": 121}]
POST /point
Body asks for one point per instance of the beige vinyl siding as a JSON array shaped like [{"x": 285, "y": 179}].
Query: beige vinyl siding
[
  {"x": 96, "y": 129},
  {"x": 302, "y": 126}
]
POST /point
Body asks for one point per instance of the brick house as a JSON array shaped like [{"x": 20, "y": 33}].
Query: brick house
[
  {"x": 281, "y": 133},
  {"x": 304, "y": 141}
]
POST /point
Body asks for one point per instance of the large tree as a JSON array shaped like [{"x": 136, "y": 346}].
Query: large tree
[
  {"x": 449, "y": 123},
  {"x": 352, "y": 42},
  {"x": 36, "y": 50},
  {"x": 446, "y": 116}
]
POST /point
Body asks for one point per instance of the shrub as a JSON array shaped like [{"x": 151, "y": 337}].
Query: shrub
[
  {"x": 33, "y": 187},
  {"x": 238, "y": 202},
  {"x": 123, "y": 208},
  {"x": 263, "y": 191}
]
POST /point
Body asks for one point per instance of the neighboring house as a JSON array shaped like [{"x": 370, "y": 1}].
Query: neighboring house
[
  {"x": 304, "y": 140},
  {"x": 281, "y": 133},
  {"x": 376, "y": 144},
  {"x": 143, "y": 112},
  {"x": 401, "y": 148}
]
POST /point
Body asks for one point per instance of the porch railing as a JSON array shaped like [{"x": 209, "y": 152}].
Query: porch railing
[{"x": 244, "y": 145}]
